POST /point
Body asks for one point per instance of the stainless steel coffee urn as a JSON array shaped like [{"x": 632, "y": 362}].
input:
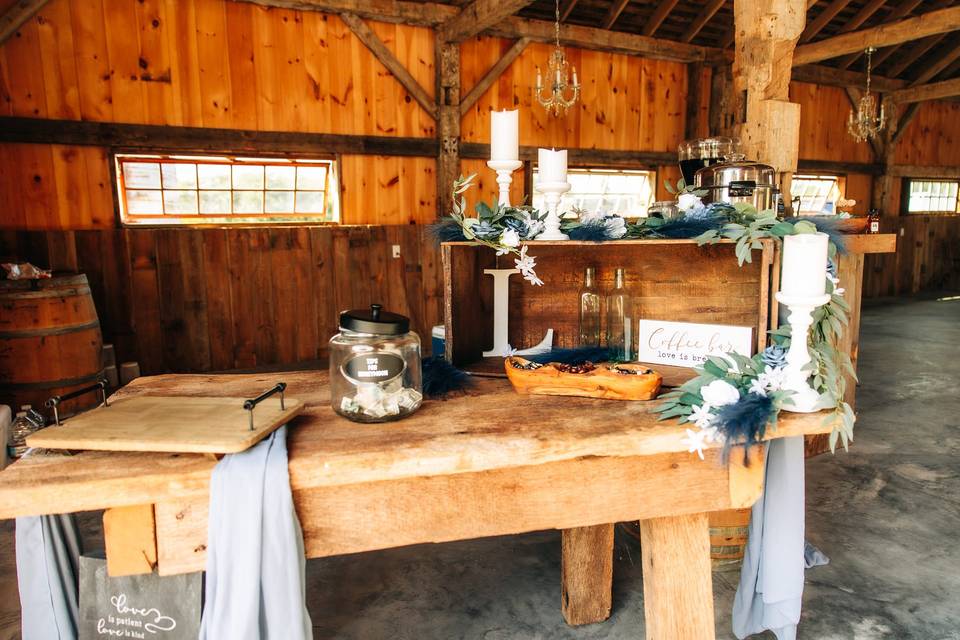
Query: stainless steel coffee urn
[{"x": 736, "y": 180}]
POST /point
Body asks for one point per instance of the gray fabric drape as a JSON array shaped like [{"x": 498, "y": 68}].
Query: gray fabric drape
[
  {"x": 771, "y": 580},
  {"x": 48, "y": 574},
  {"x": 255, "y": 586}
]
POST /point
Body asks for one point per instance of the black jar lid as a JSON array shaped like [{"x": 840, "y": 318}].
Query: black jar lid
[{"x": 374, "y": 320}]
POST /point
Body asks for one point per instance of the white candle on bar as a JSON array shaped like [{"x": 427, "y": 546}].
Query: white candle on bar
[
  {"x": 552, "y": 165},
  {"x": 504, "y": 135},
  {"x": 804, "y": 271}
]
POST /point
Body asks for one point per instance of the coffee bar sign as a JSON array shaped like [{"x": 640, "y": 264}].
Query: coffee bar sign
[{"x": 686, "y": 344}]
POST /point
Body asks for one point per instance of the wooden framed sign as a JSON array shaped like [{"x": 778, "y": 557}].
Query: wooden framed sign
[{"x": 686, "y": 344}]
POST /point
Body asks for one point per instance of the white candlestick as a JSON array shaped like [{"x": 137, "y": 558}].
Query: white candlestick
[
  {"x": 552, "y": 165},
  {"x": 804, "y": 398},
  {"x": 804, "y": 273},
  {"x": 552, "y": 193},
  {"x": 504, "y": 169},
  {"x": 504, "y": 135}
]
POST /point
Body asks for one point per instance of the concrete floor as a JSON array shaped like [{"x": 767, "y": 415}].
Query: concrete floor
[{"x": 887, "y": 513}]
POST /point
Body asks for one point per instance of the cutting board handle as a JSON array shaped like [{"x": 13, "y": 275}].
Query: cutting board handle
[
  {"x": 249, "y": 405},
  {"x": 54, "y": 402}
]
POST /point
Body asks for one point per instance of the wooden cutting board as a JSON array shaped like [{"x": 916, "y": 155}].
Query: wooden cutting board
[{"x": 169, "y": 424}]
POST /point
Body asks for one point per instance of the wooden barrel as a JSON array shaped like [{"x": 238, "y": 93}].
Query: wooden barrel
[
  {"x": 728, "y": 537},
  {"x": 50, "y": 341}
]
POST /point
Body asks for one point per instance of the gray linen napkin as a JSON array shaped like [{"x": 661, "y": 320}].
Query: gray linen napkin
[{"x": 48, "y": 573}]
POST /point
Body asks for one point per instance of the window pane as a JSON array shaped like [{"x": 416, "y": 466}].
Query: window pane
[
  {"x": 281, "y": 177},
  {"x": 248, "y": 201},
  {"x": 215, "y": 202},
  {"x": 309, "y": 202},
  {"x": 141, "y": 175},
  {"x": 179, "y": 201},
  {"x": 179, "y": 176},
  {"x": 143, "y": 202},
  {"x": 248, "y": 177},
  {"x": 933, "y": 196},
  {"x": 214, "y": 176},
  {"x": 280, "y": 201},
  {"x": 311, "y": 178}
]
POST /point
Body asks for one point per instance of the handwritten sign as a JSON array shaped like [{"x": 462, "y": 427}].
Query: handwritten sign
[
  {"x": 143, "y": 606},
  {"x": 685, "y": 344}
]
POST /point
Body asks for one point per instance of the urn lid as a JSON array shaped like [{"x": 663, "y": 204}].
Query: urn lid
[{"x": 374, "y": 320}]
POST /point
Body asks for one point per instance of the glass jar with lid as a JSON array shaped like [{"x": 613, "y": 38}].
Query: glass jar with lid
[{"x": 375, "y": 366}]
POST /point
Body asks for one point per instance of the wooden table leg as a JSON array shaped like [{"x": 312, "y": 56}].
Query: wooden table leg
[
  {"x": 587, "y": 574},
  {"x": 677, "y": 581},
  {"x": 129, "y": 538}
]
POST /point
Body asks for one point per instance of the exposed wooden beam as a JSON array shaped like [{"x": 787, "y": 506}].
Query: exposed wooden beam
[
  {"x": 447, "y": 63},
  {"x": 706, "y": 14},
  {"x": 477, "y": 16},
  {"x": 566, "y": 8},
  {"x": 390, "y": 61},
  {"x": 928, "y": 24},
  {"x": 491, "y": 76},
  {"x": 917, "y": 51},
  {"x": 693, "y": 100},
  {"x": 584, "y": 157},
  {"x": 934, "y": 69},
  {"x": 919, "y": 171},
  {"x": 816, "y": 25},
  {"x": 830, "y": 166},
  {"x": 902, "y": 124},
  {"x": 615, "y": 10},
  {"x": 18, "y": 13},
  {"x": 821, "y": 74},
  {"x": 920, "y": 93},
  {"x": 206, "y": 140},
  {"x": 427, "y": 14},
  {"x": 865, "y": 13},
  {"x": 605, "y": 40},
  {"x": 659, "y": 15}
]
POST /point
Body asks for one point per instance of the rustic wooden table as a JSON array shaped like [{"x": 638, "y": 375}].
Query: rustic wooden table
[{"x": 487, "y": 463}]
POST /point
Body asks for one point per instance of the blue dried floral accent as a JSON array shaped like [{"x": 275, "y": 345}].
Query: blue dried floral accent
[
  {"x": 591, "y": 232},
  {"x": 447, "y": 230},
  {"x": 691, "y": 226},
  {"x": 774, "y": 356},
  {"x": 574, "y": 356},
  {"x": 744, "y": 422},
  {"x": 832, "y": 269},
  {"x": 440, "y": 378}
]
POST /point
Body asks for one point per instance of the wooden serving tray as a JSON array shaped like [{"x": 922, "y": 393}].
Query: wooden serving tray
[
  {"x": 605, "y": 381},
  {"x": 169, "y": 424}
]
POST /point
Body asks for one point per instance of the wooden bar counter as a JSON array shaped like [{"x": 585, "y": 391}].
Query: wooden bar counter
[{"x": 485, "y": 463}]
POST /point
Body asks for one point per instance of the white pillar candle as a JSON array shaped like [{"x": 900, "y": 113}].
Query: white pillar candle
[
  {"x": 504, "y": 135},
  {"x": 552, "y": 165},
  {"x": 804, "y": 271}
]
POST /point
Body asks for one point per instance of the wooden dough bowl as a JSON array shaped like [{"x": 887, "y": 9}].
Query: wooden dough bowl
[{"x": 608, "y": 381}]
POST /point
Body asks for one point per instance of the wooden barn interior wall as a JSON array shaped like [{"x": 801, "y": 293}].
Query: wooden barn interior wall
[{"x": 210, "y": 299}]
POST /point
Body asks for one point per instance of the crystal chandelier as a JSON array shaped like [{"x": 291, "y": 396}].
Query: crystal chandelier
[
  {"x": 864, "y": 122},
  {"x": 557, "y": 99}
]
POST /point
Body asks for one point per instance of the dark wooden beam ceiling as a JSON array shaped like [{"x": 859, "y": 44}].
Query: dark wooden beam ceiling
[
  {"x": 816, "y": 25},
  {"x": 478, "y": 16},
  {"x": 934, "y": 69},
  {"x": 566, "y": 8},
  {"x": 615, "y": 10},
  {"x": 18, "y": 13},
  {"x": 706, "y": 15},
  {"x": 659, "y": 15}
]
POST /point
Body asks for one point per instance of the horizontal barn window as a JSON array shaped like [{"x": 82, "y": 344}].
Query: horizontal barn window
[
  {"x": 626, "y": 192},
  {"x": 189, "y": 190},
  {"x": 933, "y": 196},
  {"x": 818, "y": 194}
]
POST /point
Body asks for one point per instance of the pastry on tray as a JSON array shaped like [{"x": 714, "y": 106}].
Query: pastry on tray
[{"x": 612, "y": 381}]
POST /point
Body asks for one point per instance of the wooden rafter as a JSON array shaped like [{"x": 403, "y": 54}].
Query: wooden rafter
[
  {"x": 705, "y": 16},
  {"x": 659, "y": 15},
  {"x": 928, "y": 24},
  {"x": 917, "y": 51},
  {"x": 491, "y": 76},
  {"x": 920, "y": 93},
  {"x": 901, "y": 11},
  {"x": 934, "y": 69},
  {"x": 390, "y": 61},
  {"x": 821, "y": 74},
  {"x": 427, "y": 14},
  {"x": 865, "y": 13},
  {"x": 477, "y": 16},
  {"x": 17, "y": 15},
  {"x": 816, "y": 25},
  {"x": 615, "y": 10},
  {"x": 566, "y": 8},
  {"x": 903, "y": 122}
]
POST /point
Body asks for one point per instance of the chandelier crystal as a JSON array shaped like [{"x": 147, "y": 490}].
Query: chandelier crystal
[
  {"x": 563, "y": 93},
  {"x": 864, "y": 123}
]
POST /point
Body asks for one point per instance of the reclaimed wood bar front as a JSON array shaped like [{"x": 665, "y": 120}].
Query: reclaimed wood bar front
[{"x": 490, "y": 462}]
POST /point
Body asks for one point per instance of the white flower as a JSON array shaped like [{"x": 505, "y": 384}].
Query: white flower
[
  {"x": 525, "y": 264},
  {"x": 591, "y": 217},
  {"x": 719, "y": 393},
  {"x": 701, "y": 415},
  {"x": 838, "y": 291},
  {"x": 695, "y": 440},
  {"x": 712, "y": 434},
  {"x": 616, "y": 226},
  {"x": 687, "y": 201},
  {"x": 758, "y": 387},
  {"x": 510, "y": 238},
  {"x": 772, "y": 379},
  {"x": 536, "y": 227}
]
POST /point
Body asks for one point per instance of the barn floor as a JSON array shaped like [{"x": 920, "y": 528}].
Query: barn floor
[{"x": 887, "y": 513}]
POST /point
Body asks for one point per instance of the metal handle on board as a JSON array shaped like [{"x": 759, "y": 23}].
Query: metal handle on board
[
  {"x": 249, "y": 405},
  {"x": 54, "y": 402}
]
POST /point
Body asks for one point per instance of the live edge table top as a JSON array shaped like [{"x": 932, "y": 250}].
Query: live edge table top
[{"x": 488, "y": 428}]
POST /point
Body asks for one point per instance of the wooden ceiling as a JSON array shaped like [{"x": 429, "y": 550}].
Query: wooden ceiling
[{"x": 710, "y": 23}]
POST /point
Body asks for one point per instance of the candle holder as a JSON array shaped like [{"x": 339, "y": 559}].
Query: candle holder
[
  {"x": 504, "y": 169},
  {"x": 552, "y": 192},
  {"x": 804, "y": 398}
]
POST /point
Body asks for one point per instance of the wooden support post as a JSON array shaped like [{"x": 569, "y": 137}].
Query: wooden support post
[
  {"x": 130, "y": 539},
  {"x": 677, "y": 579},
  {"x": 448, "y": 102},
  {"x": 723, "y": 103},
  {"x": 493, "y": 74},
  {"x": 587, "y": 574},
  {"x": 692, "y": 124}
]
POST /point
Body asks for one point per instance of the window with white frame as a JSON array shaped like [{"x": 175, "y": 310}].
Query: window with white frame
[
  {"x": 189, "y": 189},
  {"x": 933, "y": 196},
  {"x": 626, "y": 192},
  {"x": 818, "y": 194}
]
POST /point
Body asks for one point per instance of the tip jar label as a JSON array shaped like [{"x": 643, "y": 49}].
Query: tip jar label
[{"x": 376, "y": 367}]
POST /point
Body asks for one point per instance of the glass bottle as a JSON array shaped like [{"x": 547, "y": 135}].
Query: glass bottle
[
  {"x": 589, "y": 311},
  {"x": 619, "y": 330},
  {"x": 873, "y": 221}
]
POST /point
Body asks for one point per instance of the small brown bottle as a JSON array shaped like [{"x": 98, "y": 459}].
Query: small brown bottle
[{"x": 873, "y": 221}]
